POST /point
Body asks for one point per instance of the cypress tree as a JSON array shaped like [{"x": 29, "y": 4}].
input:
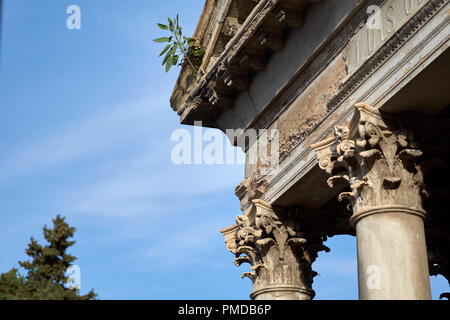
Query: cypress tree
[{"x": 45, "y": 277}]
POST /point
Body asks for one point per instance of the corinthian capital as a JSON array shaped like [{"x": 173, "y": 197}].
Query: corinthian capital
[
  {"x": 376, "y": 159},
  {"x": 279, "y": 254}
]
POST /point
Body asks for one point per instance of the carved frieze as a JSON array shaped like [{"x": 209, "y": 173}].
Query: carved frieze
[{"x": 382, "y": 23}]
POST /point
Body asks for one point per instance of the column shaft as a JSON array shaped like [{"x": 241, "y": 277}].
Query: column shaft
[{"x": 392, "y": 257}]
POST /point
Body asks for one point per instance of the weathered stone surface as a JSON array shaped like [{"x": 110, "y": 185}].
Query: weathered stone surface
[
  {"x": 280, "y": 255},
  {"x": 299, "y": 121},
  {"x": 271, "y": 65},
  {"x": 376, "y": 158},
  {"x": 241, "y": 30},
  {"x": 383, "y": 22}
]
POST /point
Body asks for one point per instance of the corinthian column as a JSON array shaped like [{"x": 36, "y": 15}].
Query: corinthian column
[
  {"x": 376, "y": 160},
  {"x": 279, "y": 254}
]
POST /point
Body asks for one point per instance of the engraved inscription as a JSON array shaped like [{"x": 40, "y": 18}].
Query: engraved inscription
[{"x": 381, "y": 24}]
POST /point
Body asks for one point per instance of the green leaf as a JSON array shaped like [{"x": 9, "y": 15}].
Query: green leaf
[
  {"x": 168, "y": 54},
  {"x": 171, "y": 25},
  {"x": 165, "y": 50},
  {"x": 169, "y": 63},
  {"x": 174, "y": 48},
  {"x": 190, "y": 42},
  {"x": 162, "y": 40},
  {"x": 178, "y": 47},
  {"x": 163, "y": 26}
]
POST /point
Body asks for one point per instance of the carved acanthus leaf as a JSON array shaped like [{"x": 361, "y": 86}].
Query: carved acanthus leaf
[
  {"x": 375, "y": 158},
  {"x": 277, "y": 251}
]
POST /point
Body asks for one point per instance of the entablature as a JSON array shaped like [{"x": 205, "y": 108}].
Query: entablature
[{"x": 240, "y": 38}]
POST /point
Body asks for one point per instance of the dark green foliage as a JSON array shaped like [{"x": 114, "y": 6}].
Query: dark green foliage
[
  {"x": 177, "y": 45},
  {"x": 195, "y": 54},
  {"x": 12, "y": 285},
  {"x": 46, "y": 272}
]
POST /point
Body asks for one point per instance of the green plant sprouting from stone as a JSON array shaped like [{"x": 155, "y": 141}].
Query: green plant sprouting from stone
[{"x": 178, "y": 45}]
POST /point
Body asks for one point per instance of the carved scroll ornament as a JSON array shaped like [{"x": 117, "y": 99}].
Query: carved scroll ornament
[
  {"x": 279, "y": 254},
  {"x": 376, "y": 160}
]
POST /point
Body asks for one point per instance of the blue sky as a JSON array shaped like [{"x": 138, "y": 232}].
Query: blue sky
[{"x": 85, "y": 128}]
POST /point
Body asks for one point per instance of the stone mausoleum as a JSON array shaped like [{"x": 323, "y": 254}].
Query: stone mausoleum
[{"x": 357, "y": 92}]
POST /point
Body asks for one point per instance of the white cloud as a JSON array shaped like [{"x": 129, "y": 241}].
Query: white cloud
[
  {"x": 139, "y": 180},
  {"x": 150, "y": 189},
  {"x": 101, "y": 132},
  {"x": 129, "y": 147},
  {"x": 177, "y": 247}
]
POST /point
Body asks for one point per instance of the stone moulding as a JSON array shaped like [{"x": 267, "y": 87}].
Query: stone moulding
[
  {"x": 254, "y": 18},
  {"x": 281, "y": 291},
  {"x": 383, "y": 209}
]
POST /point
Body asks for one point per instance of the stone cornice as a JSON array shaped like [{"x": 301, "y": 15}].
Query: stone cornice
[{"x": 246, "y": 53}]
